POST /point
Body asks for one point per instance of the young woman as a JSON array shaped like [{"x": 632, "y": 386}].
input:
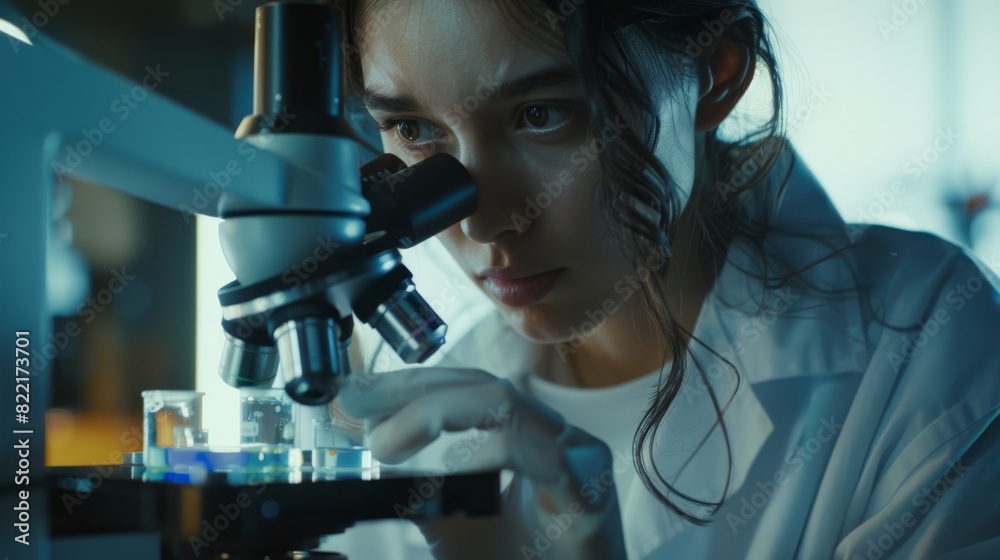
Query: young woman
[{"x": 692, "y": 356}]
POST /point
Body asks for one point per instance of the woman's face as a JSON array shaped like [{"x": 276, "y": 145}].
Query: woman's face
[{"x": 449, "y": 76}]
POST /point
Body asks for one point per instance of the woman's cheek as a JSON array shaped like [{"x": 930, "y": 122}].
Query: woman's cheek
[{"x": 575, "y": 200}]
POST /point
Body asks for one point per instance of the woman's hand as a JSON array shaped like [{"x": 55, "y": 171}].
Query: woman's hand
[{"x": 546, "y": 511}]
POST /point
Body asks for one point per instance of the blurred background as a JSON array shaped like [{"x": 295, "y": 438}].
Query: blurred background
[
  {"x": 892, "y": 104},
  {"x": 898, "y": 96}
]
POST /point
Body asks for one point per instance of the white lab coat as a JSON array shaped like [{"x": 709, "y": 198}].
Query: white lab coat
[{"x": 849, "y": 439}]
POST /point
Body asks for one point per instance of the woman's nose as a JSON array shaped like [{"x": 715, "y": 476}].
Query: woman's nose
[{"x": 501, "y": 192}]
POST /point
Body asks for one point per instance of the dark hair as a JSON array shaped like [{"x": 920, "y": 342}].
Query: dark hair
[{"x": 632, "y": 175}]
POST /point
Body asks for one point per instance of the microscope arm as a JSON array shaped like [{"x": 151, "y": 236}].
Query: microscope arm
[{"x": 75, "y": 119}]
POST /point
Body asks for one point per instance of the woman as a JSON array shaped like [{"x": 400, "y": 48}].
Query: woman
[{"x": 691, "y": 357}]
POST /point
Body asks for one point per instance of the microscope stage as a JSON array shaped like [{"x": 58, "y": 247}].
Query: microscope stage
[{"x": 230, "y": 512}]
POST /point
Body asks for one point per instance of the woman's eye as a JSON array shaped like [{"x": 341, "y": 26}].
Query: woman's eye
[
  {"x": 408, "y": 130},
  {"x": 412, "y": 134},
  {"x": 541, "y": 119},
  {"x": 537, "y": 116}
]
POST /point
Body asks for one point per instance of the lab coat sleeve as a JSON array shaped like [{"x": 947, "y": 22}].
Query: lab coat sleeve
[{"x": 930, "y": 486}]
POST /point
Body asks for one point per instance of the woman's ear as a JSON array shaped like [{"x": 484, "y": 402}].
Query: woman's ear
[{"x": 725, "y": 77}]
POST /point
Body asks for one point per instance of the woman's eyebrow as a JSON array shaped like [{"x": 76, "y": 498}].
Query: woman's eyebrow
[
  {"x": 375, "y": 101},
  {"x": 546, "y": 77}
]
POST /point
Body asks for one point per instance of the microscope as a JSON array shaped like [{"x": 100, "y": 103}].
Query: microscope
[
  {"x": 286, "y": 311},
  {"x": 301, "y": 322}
]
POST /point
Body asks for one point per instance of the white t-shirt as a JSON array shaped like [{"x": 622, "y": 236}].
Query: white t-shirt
[{"x": 609, "y": 413}]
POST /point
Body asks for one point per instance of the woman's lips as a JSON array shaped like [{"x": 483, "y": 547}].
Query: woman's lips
[{"x": 524, "y": 291}]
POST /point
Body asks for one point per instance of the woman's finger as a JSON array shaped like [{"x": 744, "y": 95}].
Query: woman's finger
[
  {"x": 385, "y": 393},
  {"x": 494, "y": 406},
  {"x": 535, "y": 457}
]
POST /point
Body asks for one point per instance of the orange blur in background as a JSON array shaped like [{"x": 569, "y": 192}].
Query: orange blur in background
[{"x": 89, "y": 438}]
